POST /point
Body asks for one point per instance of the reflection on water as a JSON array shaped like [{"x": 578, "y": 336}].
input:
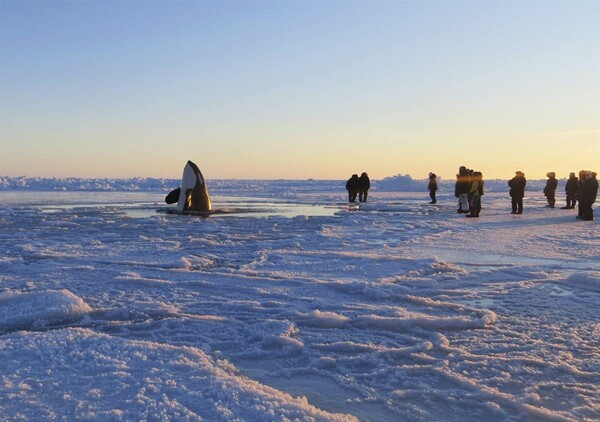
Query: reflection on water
[
  {"x": 146, "y": 205},
  {"x": 63, "y": 200},
  {"x": 247, "y": 207}
]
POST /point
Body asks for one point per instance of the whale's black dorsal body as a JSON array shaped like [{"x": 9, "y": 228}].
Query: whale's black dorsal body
[{"x": 193, "y": 195}]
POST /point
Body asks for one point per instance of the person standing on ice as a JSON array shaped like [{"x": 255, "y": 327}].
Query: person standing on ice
[
  {"x": 475, "y": 194},
  {"x": 461, "y": 189},
  {"x": 582, "y": 174},
  {"x": 589, "y": 191},
  {"x": 352, "y": 186},
  {"x": 550, "y": 189},
  {"x": 364, "y": 184},
  {"x": 432, "y": 186},
  {"x": 517, "y": 192},
  {"x": 571, "y": 189}
]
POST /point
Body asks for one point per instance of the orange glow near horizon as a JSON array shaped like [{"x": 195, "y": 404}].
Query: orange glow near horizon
[{"x": 383, "y": 87}]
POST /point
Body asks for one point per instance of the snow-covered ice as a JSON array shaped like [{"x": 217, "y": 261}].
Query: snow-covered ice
[{"x": 292, "y": 307}]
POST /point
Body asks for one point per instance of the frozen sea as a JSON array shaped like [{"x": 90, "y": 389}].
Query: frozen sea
[{"x": 293, "y": 307}]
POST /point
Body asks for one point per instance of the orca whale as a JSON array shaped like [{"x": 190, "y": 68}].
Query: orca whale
[{"x": 192, "y": 195}]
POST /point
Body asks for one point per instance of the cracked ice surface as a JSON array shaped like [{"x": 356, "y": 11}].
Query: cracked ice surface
[{"x": 291, "y": 311}]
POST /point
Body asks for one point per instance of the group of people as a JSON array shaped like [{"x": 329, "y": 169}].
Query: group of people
[
  {"x": 469, "y": 190},
  {"x": 583, "y": 189},
  {"x": 358, "y": 186}
]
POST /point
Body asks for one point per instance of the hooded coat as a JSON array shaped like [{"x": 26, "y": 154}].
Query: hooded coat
[
  {"x": 517, "y": 186},
  {"x": 432, "y": 184},
  {"x": 551, "y": 185},
  {"x": 353, "y": 184},
  {"x": 572, "y": 186},
  {"x": 364, "y": 183},
  {"x": 589, "y": 190},
  {"x": 463, "y": 182}
]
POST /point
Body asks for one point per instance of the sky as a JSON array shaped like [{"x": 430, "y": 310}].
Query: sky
[{"x": 298, "y": 89}]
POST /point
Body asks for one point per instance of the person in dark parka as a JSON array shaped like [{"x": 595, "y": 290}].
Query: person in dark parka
[
  {"x": 571, "y": 189},
  {"x": 462, "y": 188},
  {"x": 432, "y": 186},
  {"x": 353, "y": 186},
  {"x": 589, "y": 191},
  {"x": 517, "y": 192},
  {"x": 550, "y": 189},
  {"x": 364, "y": 184},
  {"x": 582, "y": 174},
  {"x": 475, "y": 194}
]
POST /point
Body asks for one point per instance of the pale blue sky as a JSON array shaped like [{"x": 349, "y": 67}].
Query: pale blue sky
[{"x": 298, "y": 89}]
